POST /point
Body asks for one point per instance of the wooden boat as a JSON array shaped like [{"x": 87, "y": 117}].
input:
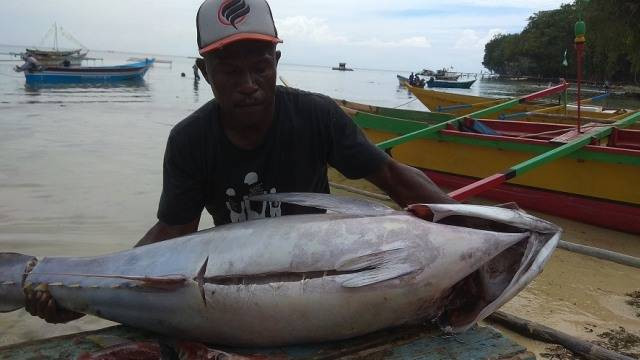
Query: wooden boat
[
  {"x": 433, "y": 83},
  {"x": 57, "y": 57},
  {"x": 429, "y": 117},
  {"x": 461, "y": 104},
  {"x": 402, "y": 80},
  {"x": 597, "y": 184},
  {"x": 91, "y": 74},
  {"x": 444, "y": 74},
  {"x": 342, "y": 67}
]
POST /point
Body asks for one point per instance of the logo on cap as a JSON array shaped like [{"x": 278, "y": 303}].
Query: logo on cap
[{"x": 233, "y": 12}]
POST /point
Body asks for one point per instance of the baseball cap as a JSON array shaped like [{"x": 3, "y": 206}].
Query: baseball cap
[{"x": 221, "y": 22}]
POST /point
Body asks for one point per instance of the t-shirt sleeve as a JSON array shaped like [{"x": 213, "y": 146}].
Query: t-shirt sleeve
[
  {"x": 183, "y": 195},
  {"x": 350, "y": 151}
]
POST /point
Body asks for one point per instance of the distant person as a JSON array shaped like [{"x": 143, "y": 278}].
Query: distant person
[
  {"x": 195, "y": 71},
  {"x": 256, "y": 138},
  {"x": 31, "y": 64},
  {"x": 416, "y": 80},
  {"x": 66, "y": 63},
  {"x": 411, "y": 79}
]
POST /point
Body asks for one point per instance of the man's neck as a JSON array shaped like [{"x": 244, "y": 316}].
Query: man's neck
[{"x": 247, "y": 136}]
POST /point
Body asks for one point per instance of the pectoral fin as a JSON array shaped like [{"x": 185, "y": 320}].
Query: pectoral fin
[{"x": 378, "y": 267}]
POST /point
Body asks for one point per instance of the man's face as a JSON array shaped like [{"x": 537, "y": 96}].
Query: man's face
[{"x": 242, "y": 76}]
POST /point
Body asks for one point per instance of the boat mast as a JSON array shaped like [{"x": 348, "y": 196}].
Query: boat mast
[{"x": 55, "y": 37}]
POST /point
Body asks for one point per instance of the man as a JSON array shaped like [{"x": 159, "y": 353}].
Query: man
[
  {"x": 31, "y": 64},
  {"x": 256, "y": 138},
  {"x": 195, "y": 71}
]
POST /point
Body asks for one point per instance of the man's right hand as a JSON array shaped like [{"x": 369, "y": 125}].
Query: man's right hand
[{"x": 40, "y": 303}]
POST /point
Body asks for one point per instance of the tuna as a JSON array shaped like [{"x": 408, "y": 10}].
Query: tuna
[{"x": 358, "y": 268}]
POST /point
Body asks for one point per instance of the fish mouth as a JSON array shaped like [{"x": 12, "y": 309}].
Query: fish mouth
[{"x": 471, "y": 295}]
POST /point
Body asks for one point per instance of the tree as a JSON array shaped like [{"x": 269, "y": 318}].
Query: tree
[{"x": 612, "y": 48}]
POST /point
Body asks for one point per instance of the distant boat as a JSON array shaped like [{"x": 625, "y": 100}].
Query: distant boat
[
  {"x": 342, "y": 67},
  {"x": 158, "y": 61},
  {"x": 88, "y": 74},
  {"x": 55, "y": 56},
  {"x": 433, "y": 83},
  {"x": 442, "y": 74}
]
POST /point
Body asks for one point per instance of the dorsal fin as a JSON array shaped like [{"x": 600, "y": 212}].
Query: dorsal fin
[{"x": 339, "y": 204}]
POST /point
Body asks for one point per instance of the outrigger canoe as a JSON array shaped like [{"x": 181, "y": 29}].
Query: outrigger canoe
[
  {"x": 460, "y": 104},
  {"x": 597, "y": 184},
  {"x": 431, "y": 116}
]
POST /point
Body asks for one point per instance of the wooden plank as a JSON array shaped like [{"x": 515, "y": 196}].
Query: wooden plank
[
  {"x": 569, "y": 136},
  {"x": 409, "y": 342}
]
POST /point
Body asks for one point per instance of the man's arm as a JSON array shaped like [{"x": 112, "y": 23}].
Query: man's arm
[
  {"x": 407, "y": 185},
  {"x": 161, "y": 231}
]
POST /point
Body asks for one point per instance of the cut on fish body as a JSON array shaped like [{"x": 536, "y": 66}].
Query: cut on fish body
[{"x": 303, "y": 278}]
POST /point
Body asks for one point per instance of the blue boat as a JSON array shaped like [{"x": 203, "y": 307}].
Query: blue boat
[{"x": 88, "y": 74}]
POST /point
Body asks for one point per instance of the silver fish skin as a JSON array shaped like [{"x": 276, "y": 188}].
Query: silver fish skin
[{"x": 301, "y": 279}]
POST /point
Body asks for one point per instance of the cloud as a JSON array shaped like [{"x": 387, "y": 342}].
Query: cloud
[
  {"x": 308, "y": 29},
  {"x": 470, "y": 39},
  {"x": 317, "y": 30}
]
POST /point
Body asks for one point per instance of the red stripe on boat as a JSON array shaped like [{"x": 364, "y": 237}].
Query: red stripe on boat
[{"x": 612, "y": 215}]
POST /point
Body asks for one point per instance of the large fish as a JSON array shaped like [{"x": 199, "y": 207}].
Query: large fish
[{"x": 359, "y": 268}]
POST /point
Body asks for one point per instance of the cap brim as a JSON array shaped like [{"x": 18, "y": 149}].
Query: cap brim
[{"x": 237, "y": 37}]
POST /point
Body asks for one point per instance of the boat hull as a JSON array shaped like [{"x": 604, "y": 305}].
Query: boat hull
[
  {"x": 68, "y": 75},
  {"x": 450, "y": 84}
]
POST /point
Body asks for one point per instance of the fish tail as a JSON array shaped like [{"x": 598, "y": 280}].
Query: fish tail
[{"x": 14, "y": 268}]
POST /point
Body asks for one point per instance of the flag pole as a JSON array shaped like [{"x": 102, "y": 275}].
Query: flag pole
[{"x": 580, "y": 30}]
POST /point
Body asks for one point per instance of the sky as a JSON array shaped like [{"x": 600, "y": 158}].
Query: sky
[{"x": 374, "y": 34}]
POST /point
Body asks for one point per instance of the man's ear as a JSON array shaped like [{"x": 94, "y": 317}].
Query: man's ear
[
  {"x": 278, "y": 54},
  {"x": 203, "y": 68}
]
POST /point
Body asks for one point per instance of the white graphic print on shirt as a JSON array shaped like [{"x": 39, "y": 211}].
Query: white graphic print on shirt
[{"x": 241, "y": 209}]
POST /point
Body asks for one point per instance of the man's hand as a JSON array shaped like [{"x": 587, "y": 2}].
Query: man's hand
[
  {"x": 40, "y": 303},
  {"x": 407, "y": 185}
]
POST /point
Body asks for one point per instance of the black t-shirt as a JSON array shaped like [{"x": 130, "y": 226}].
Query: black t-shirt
[{"x": 202, "y": 168}]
